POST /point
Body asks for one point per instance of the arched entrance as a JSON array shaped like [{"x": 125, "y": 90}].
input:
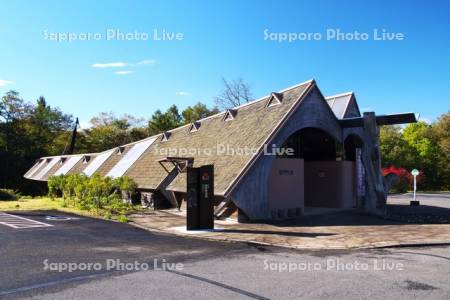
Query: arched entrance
[
  {"x": 315, "y": 174},
  {"x": 313, "y": 144}
]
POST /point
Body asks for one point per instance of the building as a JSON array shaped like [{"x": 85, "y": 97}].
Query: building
[{"x": 272, "y": 157}]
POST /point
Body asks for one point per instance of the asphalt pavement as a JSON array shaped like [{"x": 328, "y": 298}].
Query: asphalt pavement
[{"x": 32, "y": 262}]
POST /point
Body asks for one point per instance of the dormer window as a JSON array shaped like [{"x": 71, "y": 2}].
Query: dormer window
[
  {"x": 194, "y": 127},
  {"x": 120, "y": 150},
  {"x": 230, "y": 114},
  {"x": 86, "y": 159},
  {"x": 274, "y": 99},
  {"x": 165, "y": 137}
]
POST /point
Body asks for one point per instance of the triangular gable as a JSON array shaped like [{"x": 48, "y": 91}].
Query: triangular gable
[
  {"x": 165, "y": 136},
  {"x": 194, "y": 127},
  {"x": 352, "y": 110},
  {"x": 274, "y": 99},
  {"x": 302, "y": 101},
  {"x": 339, "y": 103},
  {"x": 230, "y": 114},
  {"x": 120, "y": 150}
]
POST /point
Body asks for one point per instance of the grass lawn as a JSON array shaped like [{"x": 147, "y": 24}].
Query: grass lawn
[{"x": 45, "y": 203}]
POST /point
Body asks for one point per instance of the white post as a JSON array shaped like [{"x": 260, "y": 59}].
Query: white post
[{"x": 415, "y": 187}]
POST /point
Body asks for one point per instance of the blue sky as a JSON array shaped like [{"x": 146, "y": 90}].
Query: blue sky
[{"x": 224, "y": 39}]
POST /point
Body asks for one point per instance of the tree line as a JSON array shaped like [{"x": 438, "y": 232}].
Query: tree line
[{"x": 421, "y": 146}]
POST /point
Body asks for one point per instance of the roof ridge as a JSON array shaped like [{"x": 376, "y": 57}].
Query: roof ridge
[
  {"x": 339, "y": 95},
  {"x": 246, "y": 104}
]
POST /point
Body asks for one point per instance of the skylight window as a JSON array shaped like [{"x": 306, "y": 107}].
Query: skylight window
[
  {"x": 51, "y": 162},
  {"x": 230, "y": 115},
  {"x": 274, "y": 99},
  {"x": 130, "y": 158},
  {"x": 97, "y": 162},
  {"x": 37, "y": 167},
  {"x": 70, "y": 163}
]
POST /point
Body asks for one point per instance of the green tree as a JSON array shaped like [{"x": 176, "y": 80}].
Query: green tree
[
  {"x": 394, "y": 149},
  {"x": 441, "y": 133},
  {"x": 27, "y": 132},
  {"x": 197, "y": 112},
  {"x": 161, "y": 122},
  {"x": 108, "y": 131}
]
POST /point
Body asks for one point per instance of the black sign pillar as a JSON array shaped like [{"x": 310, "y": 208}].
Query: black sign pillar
[{"x": 200, "y": 196}]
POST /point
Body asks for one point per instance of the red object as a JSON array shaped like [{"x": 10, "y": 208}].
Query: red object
[{"x": 404, "y": 175}]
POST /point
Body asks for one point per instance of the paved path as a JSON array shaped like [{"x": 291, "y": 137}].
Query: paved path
[{"x": 342, "y": 230}]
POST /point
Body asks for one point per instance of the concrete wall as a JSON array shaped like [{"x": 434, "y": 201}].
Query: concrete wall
[
  {"x": 330, "y": 184},
  {"x": 286, "y": 188},
  {"x": 251, "y": 194}
]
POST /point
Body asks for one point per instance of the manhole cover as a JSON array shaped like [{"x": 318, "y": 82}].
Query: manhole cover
[{"x": 58, "y": 218}]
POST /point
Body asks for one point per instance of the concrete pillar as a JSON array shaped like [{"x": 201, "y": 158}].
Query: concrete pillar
[{"x": 375, "y": 199}]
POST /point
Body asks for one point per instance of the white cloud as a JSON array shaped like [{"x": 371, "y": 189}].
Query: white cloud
[
  {"x": 123, "y": 72},
  {"x": 110, "y": 65},
  {"x": 5, "y": 82},
  {"x": 365, "y": 109},
  {"x": 147, "y": 62},
  {"x": 182, "y": 93}
]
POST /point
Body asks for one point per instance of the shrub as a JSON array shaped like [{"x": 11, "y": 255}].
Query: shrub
[
  {"x": 8, "y": 194},
  {"x": 55, "y": 186},
  {"x": 107, "y": 215},
  {"x": 123, "y": 219},
  {"x": 94, "y": 192},
  {"x": 405, "y": 179}
]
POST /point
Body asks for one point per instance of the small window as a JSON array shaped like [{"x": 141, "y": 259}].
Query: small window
[
  {"x": 274, "y": 99},
  {"x": 165, "y": 137},
  {"x": 230, "y": 114},
  {"x": 194, "y": 127},
  {"x": 120, "y": 150},
  {"x": 86, "y": 159}
]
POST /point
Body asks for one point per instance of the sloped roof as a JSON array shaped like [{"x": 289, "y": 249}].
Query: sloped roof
[
  {"x": 213, "y": 143},
  {"x": 341, "y": 103},
  {"x": 82, "y": 164},
  {"x": 252, "y": 124}
]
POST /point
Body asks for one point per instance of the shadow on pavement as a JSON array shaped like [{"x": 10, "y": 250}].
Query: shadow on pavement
[{"x": 283, "y": 233}]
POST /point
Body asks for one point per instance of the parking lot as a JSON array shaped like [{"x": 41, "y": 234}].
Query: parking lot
[
  {"x": 83, "y": 240},
  {"x": 208, "y": 269}
]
